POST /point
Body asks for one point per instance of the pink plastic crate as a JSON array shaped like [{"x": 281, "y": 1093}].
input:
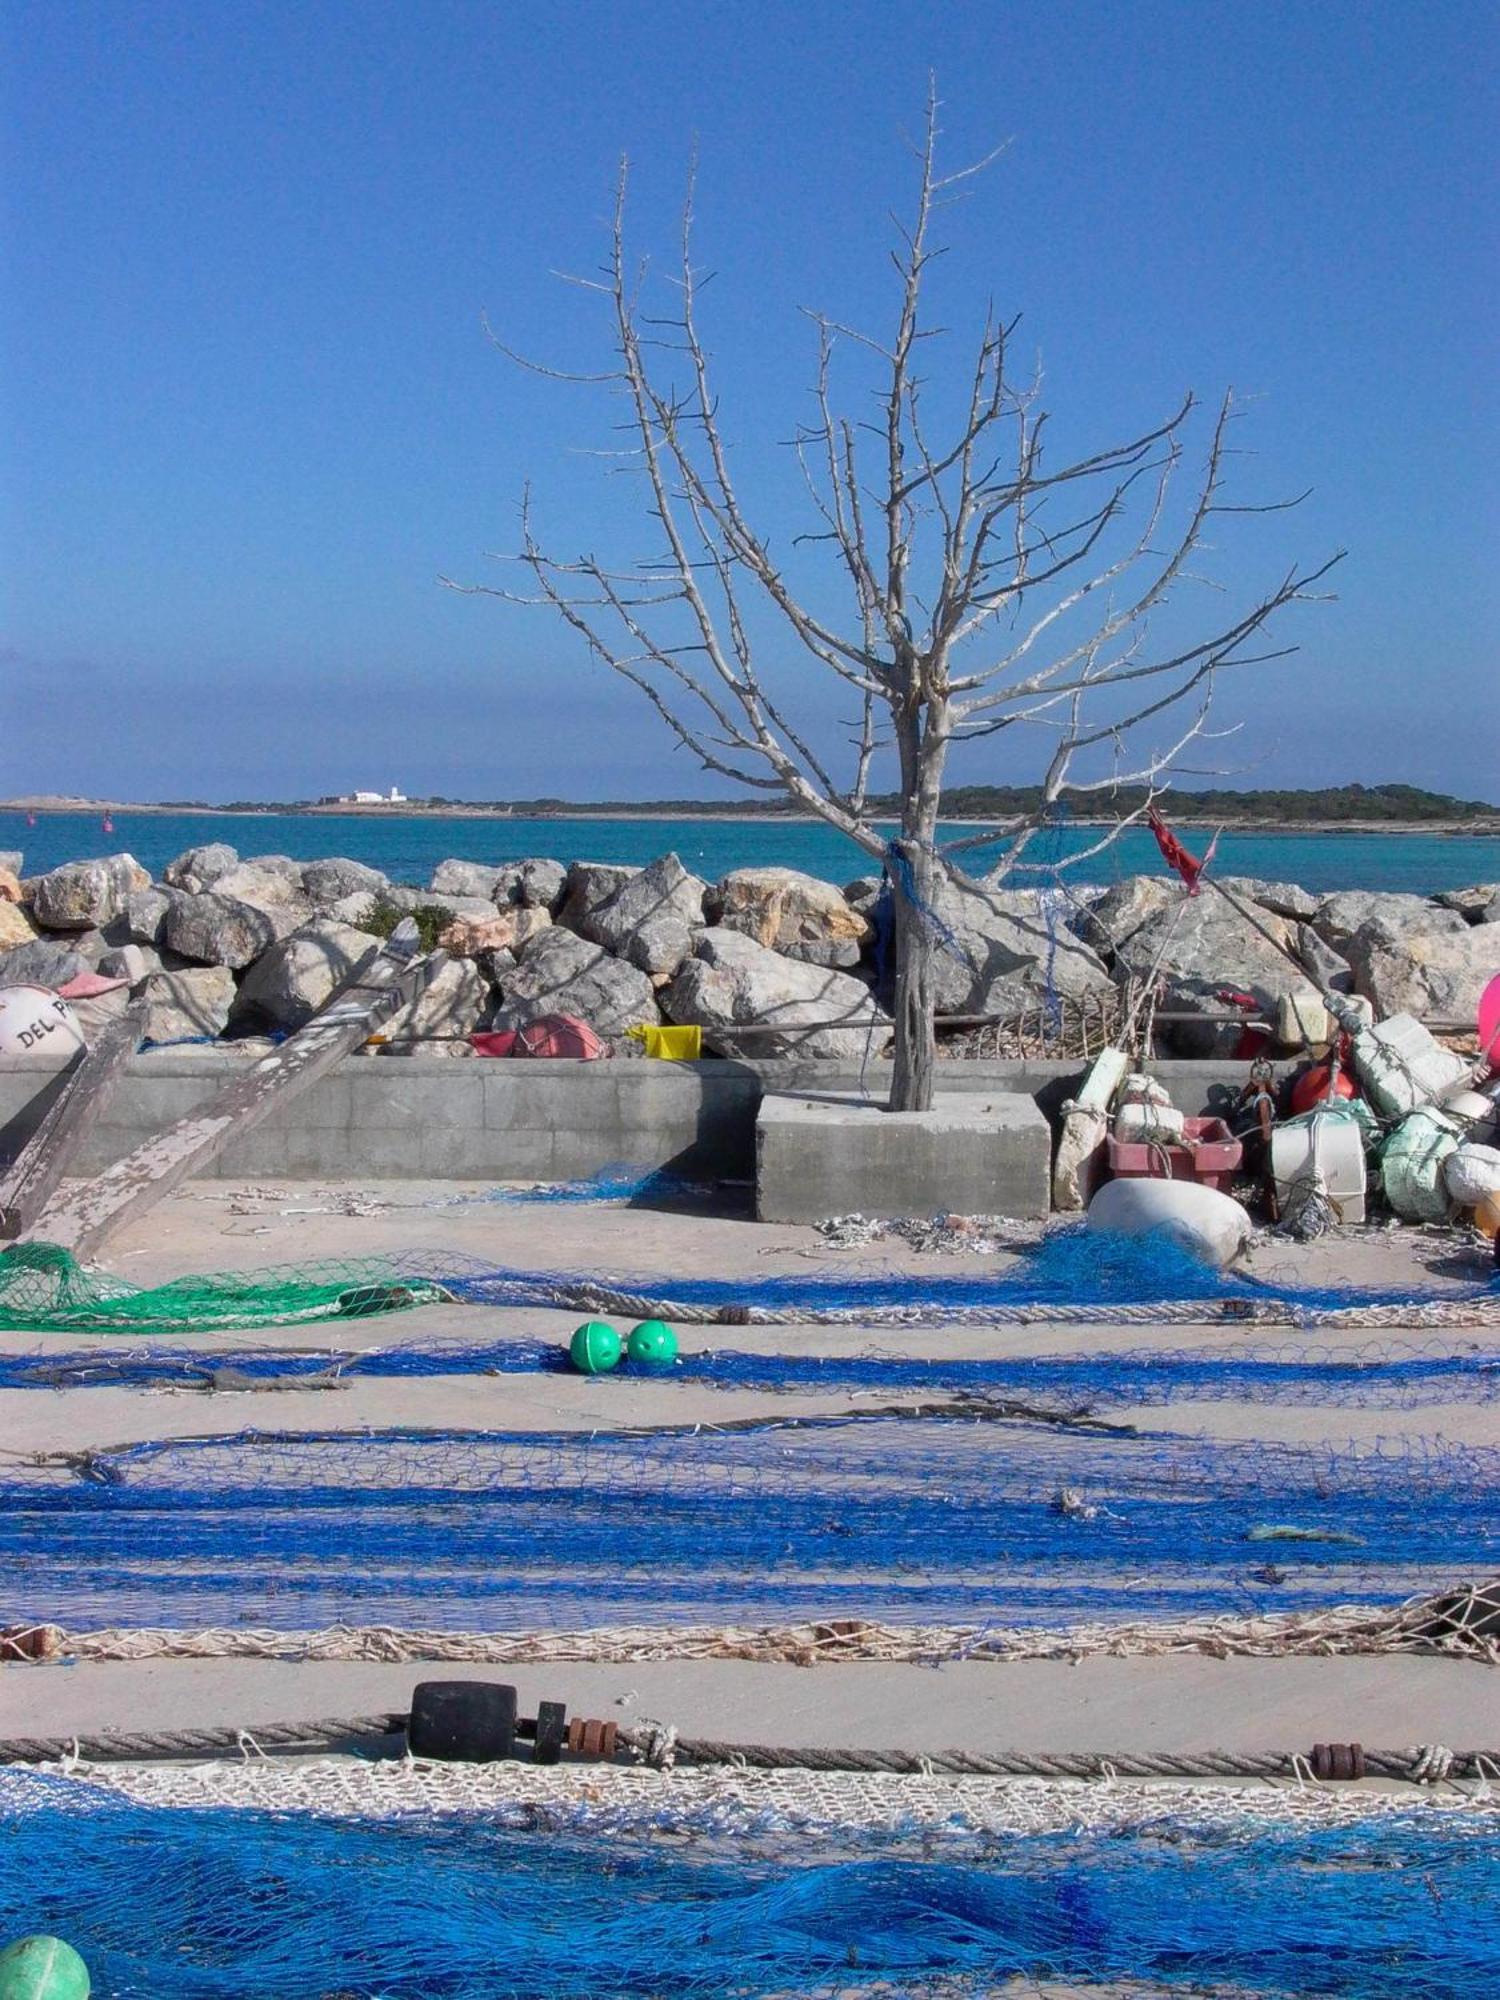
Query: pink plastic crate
[{"x": 1208, "y": 1153}]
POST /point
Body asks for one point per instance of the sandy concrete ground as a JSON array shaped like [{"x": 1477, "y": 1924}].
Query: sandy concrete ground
[
  {"x": 1174, "y": 1704},
  {"x": 1187, "y": 1703}
]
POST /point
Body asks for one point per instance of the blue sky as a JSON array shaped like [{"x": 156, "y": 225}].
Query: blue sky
[{"x": 251, "y": 416}]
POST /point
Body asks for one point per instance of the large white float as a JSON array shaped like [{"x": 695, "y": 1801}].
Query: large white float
[{"x": 35, "y": 1021}]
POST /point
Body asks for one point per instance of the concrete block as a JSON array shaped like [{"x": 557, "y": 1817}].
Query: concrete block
[{"x": 840, "y": 1154}]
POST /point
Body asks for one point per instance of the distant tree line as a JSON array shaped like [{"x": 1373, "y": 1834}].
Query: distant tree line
[{"x": 1373, "y": 805}]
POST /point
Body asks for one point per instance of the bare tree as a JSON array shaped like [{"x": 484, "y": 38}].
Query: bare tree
[{"x": 990, "y": 588}]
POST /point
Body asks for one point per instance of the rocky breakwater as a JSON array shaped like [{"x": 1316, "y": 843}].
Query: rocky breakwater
[{"x": 767, "y": 961}]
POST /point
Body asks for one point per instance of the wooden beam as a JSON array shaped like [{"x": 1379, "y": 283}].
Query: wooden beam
[
  {"x": 384, "y": 980},
  {"x": 29, "y": 1181}
]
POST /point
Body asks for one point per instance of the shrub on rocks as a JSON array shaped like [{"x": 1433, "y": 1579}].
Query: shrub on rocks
[
  {"x": 731, "y": 981},
  {"x": 795, "y": 914},
  {"x": 198, "y": 868}
]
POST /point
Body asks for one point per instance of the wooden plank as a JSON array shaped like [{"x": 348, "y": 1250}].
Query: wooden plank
[
  {"x": 383, "y": 981},
  {"x": 31, "y": 1178}
]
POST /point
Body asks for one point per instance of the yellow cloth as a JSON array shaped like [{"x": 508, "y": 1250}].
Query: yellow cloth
[{"x": 670, "y": 1044}]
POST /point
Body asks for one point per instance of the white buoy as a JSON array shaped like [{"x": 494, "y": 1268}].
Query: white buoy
[
  {"x": 35, "y": 1021},
  {"x": 1210, "y": 1226}
]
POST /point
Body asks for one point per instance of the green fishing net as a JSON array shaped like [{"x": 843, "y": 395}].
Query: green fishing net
[{"x": 44, "y": 1289}]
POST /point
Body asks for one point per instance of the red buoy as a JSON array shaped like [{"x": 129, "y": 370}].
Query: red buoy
[{"x": 1312, "y": 1088}]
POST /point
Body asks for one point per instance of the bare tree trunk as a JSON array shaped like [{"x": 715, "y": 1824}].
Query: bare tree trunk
[{"x": 916, "y": 1040}]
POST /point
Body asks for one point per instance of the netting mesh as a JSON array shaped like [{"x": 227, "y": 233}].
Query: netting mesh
[
  {"x": 206, "y": 1904},
  {"x": 1073, "y": 1273},
  {"x": 1373, "y": 1374},
  {"x": 44, "y": 1289},
  {"x": 910, "y": 1521}
]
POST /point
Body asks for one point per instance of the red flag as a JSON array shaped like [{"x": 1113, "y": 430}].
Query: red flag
[{"x": 1188, "y": 866}]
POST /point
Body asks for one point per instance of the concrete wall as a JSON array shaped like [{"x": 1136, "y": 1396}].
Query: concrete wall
[{"x": 429, "y": 1117}]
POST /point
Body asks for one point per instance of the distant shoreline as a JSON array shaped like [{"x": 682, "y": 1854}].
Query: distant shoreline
[{"x": 647, "y": 815}]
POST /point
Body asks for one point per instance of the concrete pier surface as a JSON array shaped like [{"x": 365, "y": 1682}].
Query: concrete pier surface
[{"x": 1184, "y": 1703}]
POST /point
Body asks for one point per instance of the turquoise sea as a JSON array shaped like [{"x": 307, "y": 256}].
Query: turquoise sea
[{"x": 409, "y": 848}]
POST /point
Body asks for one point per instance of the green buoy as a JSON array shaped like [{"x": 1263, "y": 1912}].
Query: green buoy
[
  {"x": 654, "y": 1343},
  {"x": 594, "y": 1349},
  {"x": 42, "y": 1968}
]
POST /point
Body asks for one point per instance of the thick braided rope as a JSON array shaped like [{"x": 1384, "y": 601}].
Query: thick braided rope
[
  {"x": 662, "y": 1748},
  {"x": 584, "y": 1297}
]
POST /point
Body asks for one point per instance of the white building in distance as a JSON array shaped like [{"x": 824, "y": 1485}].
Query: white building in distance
[{"x": 390, "y": 798}]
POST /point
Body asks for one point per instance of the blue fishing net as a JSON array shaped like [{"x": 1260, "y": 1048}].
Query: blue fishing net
[
  {"x": 219, "y": 1904},
  {"x": 914, "y": 1521},
  {"x": 1075, "y": 1270},
  {"x": 1373, "y": 1374}
]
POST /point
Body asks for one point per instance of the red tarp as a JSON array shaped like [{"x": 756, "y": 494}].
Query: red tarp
[{"x": 548, "y": 1035}]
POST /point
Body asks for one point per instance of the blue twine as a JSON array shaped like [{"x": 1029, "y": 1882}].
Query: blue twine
[
  {"x": 915, "y": 1521},
  {"x": 205, "y": 1904}
]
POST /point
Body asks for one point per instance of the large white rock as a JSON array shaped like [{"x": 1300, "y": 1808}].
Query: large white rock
[
  {"x": 1477, "y": 904},
  {"x": 85, "y": 895},
  {"x": 217, "y": 930},
  {"x": 1203, "y": 949},
  {"x": 1282, "y": 899},
  {"x": 198, "y": 868},
  {"x": 589, "y": 886},
  {"x": 499, "y": 930},
  {"x": 795, "y": 914},
  {"x": 186, "y": 1005},
  {"x": 1437, "y": 973},
  {"x": 998, "y": 951},
  {"x": 1108, "y": 918},
  {"x": 271, "y": 883},
  {"x": 464, "y": 878},
  {"x": 1340, "y": 916},
  {"x": 537, "y": 882},
  {"x": 289, "y": 983},
  {"x": 144, "y": 915},
  {"x": 651, "y": 919},
  {"x": 733, "y": 981},
  {"x": 15, "y": 927},
  {"x": 561, "y": 973},
  {"x": 449, "y": 1008},
  {"x": 326, "y": 882}
]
